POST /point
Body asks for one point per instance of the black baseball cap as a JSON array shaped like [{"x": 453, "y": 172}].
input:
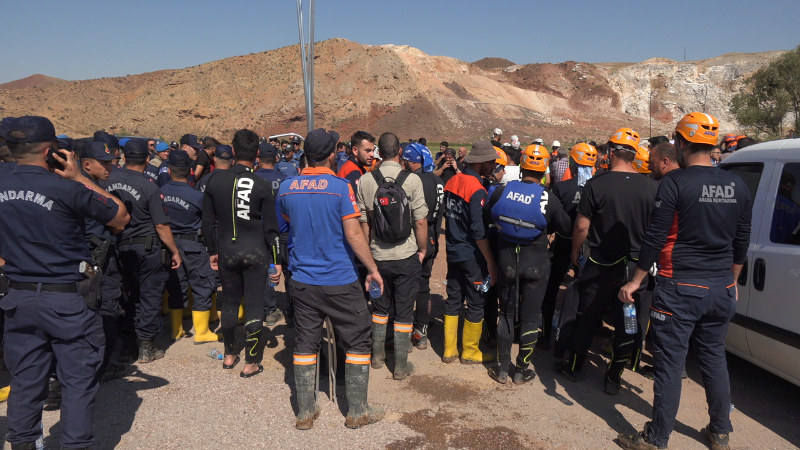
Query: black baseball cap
[
  {"x": 110, "y": 140},
  {"x": 223, "y": 152},
  {"x": 99, "y": 151},
  {"x": 319, "y": 144},
  {"x": 295, "y": 140},
  {"x": 35, "y": 129},
  {"x": 136, "y": 148},
  {"x": 191, "y": 140},
  {"x": 179, "y": 158},
  {"x": 267, "y": 150}
]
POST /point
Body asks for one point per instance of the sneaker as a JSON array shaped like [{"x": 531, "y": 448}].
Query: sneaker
[
  {"x": 273, "y": 318},
  {"x": 636, "y": 441},
  {"x": 719, "y": 441},
  {"x": 419, "y": 338}
]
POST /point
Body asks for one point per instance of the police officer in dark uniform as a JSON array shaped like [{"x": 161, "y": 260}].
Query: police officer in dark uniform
[
  {"x": 524, "y": 212},
  {"x": 185, "y": 207},
  {"x": 289, "y": 165},
  {"x": 141, "y": 244},
  {"x": 161, "y": 154},
  {"x": 267, "y": 153},
  {"x": 418, "y": 159},
  {"x": 46, "y": 319},
  {"x": 190, "y": 145},
  {"x": 223, "y": 160}
]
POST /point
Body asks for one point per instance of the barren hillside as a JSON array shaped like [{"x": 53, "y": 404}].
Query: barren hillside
[{"x": 397, "y": 88}]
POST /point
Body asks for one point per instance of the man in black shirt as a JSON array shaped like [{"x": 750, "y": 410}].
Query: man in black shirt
[
  {"x": 699, "y": 233},
  {"x": 448, "y": 166},
  {"x": 613, "y": 214}
]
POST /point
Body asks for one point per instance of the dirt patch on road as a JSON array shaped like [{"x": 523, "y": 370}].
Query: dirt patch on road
[{"x": 442, "y": 389}]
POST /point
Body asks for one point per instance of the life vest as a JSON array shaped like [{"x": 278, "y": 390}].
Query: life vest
[{"x": 519, "y": 213}]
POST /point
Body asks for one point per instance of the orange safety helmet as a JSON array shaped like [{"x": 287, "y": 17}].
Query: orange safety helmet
[
  {"x": 502, "y": 157},
  {"x": 699, "y": 128},
  {"x": 626, "y": 137},
  {"x": 535, "y": 157},
  {"x": 583, "y": 154},
  {"x": 642, "y": 160},
  {"x": 730, "y": 137}
]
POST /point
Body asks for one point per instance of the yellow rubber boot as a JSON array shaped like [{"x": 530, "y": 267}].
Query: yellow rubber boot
[
  {"x": 201, "y": 331},
  {"x": 470, "y": 338},
  {"x": 450, "y": 339},
  {"x": 214, "y": 315},
  {"x": 165, "y": 304},
  {"x": 241, "y": 313},
  {"x": 4, "y": 393},
  {"x": 176, "y": 318}
]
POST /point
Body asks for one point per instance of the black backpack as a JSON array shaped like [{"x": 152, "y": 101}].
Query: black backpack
[{"x": 391, "y": 217}]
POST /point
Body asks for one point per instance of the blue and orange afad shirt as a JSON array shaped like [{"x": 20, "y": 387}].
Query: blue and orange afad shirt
[
  {"x": 464, "y": 197},
  {"x": 315, "y": 204}
]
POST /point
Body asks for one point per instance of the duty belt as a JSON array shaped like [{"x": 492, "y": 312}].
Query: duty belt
[
  {"x": 151, "y": 240},
  {"x": 187, "y": 237},
  {"x": 64, "y": 288}
]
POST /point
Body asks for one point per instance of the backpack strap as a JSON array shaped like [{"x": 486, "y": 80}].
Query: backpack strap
[
  {"x": 402, "y": 177},
  {"x": 378, "y": 177}
]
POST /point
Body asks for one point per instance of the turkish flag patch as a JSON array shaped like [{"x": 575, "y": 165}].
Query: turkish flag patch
[
  {"x": 384, "y": 201},
  {"x": 483, "y": 201}
]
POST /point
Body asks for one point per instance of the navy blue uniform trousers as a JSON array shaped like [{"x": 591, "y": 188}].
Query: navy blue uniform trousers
[
  {"x": 147, "y": 278},
  {"x": 40, "y": 328},
  {"x": 195, "y": 271},
  {"x": 698, "y": 310}
]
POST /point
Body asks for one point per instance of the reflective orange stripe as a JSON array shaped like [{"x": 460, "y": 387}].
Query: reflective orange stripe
[
  {"x": 734, "y": 284},
  {"x": 305, "y": 360},
  {"x": 355, "y": 358},
  {"x": 380, "y": 319},
  {"x": 694, "y": 285},
  {"x": 404, "y": 327},
  {"x": 658, "y": 310}
]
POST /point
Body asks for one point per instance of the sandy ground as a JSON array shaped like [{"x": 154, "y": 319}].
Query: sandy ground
[{"x": 187, "y": 401}]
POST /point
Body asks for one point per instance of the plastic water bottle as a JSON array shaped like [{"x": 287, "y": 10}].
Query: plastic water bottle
[
  {"x": 629, "y": 313},
  {"x": 582, "y": 261},
  {"x": 272, "y": 271},
  {"x": 374, "y": 289},
  {"x": 215, "y": 354},
  {"x": 731, "y": 409},
  {"x": 487, "y": 283},
  {"x": 556, "y": 319},
  {"x": 40, "y": 439}
]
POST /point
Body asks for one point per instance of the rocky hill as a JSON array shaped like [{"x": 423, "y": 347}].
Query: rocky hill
[
  {"x": 37, "y": 80},
  {"x": 393, "y": 88}
]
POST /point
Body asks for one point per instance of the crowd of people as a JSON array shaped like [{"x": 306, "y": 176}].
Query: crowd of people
[{"x": 129, "y": 229}]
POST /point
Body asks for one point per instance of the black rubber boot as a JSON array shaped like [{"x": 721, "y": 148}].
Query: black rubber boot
[
  {"x": 378, "y": 345},
  {"x": 53, "y": 401},
  {"x": 360, "y": 413},
  {"x": 402, "y": 343},
  {"x": 306, "y": 398},
  {"x": 148, "y": 352},
  {"x": 499, "y": 373}
]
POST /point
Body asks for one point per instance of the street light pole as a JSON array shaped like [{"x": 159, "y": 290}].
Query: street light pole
[
  {"x": 650, "y": 113},
  {"x": 307, "y": 63}
]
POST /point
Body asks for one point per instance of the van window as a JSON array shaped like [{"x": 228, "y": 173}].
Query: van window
[
  {"x": 785, "y": 227},
  {"x": 749, "y": 172}
]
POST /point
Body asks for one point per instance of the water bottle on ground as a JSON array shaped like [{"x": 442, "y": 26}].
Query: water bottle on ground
[
  {"x": 374, "y": 289},
  {"x": 215, "y": 354},
  {"x": 629, "y": 313},
  {"x": 487, "y": 283},
  {"x": 272, "y": 271}
]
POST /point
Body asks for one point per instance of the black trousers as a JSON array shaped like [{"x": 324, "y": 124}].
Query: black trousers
[
  {"x": 599, "y": 285},
  {"x": 344, "y": 305},
  {"x": 463, "y": 279},
  {"x": 562, "y": 249},
  {"x": 196, "y": 272},
  {"x": 422, "y": 314},
  {"x": 529, "y": 267},
  {"x": 147, "y": 278},
  {"x": 400, "y": 289}
]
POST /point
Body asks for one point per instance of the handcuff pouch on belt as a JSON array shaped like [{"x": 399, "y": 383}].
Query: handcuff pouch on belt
[
  {"x": 89, "y": 288},
  {"x": 3, "y": 282}
]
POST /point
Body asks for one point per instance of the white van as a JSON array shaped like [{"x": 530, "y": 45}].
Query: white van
[{"x": 766, "y": 327}]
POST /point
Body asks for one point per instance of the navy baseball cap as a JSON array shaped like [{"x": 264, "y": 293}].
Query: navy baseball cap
[
  {"x": 319, "y": 144},
  {"x": 224, "y": 152},
  {"x": 110, "y": 140},
  {"x": 35, "y": 129},
  {"x": 136, "y": 148},
  {"x": 267, "y": 150},
  {"x": 64, "y": 143},
  {"x": 98, "y": 150},
  {"x": 179, "y": 158},
  {"x": 191, "y": 140},
  {"x": 161, "y": 147}
]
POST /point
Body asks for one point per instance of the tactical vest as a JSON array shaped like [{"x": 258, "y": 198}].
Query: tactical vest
[{"x": 519, "y": 213}]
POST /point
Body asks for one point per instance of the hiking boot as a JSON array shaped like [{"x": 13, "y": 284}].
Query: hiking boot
[
  {"x": 522, "y": 376},
  {"x": 148, "y": 352},
  {"x": 419, "y": 338},
  {"x": 568, "y": 373},
  {"x": 273, "y": 318},
  {"x": 610, "y": 387},
  {"x": 128, "y": 354},
  {"x": 637, "y": 441},
  {"x": 719, "y": 441}
]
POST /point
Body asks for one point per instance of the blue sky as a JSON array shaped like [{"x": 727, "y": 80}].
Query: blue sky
[{"x": 82, "y": 39}]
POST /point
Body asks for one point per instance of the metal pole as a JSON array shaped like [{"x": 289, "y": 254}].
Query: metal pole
[
  {"x": 650, "y": 104},
  {"x": 310, "y": 65},
  {"x": 309, "y": 106}
]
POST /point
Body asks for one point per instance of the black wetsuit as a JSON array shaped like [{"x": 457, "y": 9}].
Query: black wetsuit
[{"x": 240, "y": 225}]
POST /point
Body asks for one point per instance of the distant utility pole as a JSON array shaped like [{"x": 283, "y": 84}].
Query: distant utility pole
[{"x": 307, "y": 60}]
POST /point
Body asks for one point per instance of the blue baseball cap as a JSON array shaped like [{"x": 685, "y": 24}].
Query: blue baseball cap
[
  {"x": 267, "y": 150},
  {"x": 179, "y": 158},
  {"x": 35, "y": 129},
  {"x": 224, "y": 152},
  {"x": 99, "y": 151},
  {"x": 123, "y": 141},
  {"x": 160, "y": 146},
  {"x": 418, "y": 153},
  {"x": 136, "y": 148}
]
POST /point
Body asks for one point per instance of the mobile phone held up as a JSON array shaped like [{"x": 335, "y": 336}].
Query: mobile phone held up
[{"x": 52, "y": 161}]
